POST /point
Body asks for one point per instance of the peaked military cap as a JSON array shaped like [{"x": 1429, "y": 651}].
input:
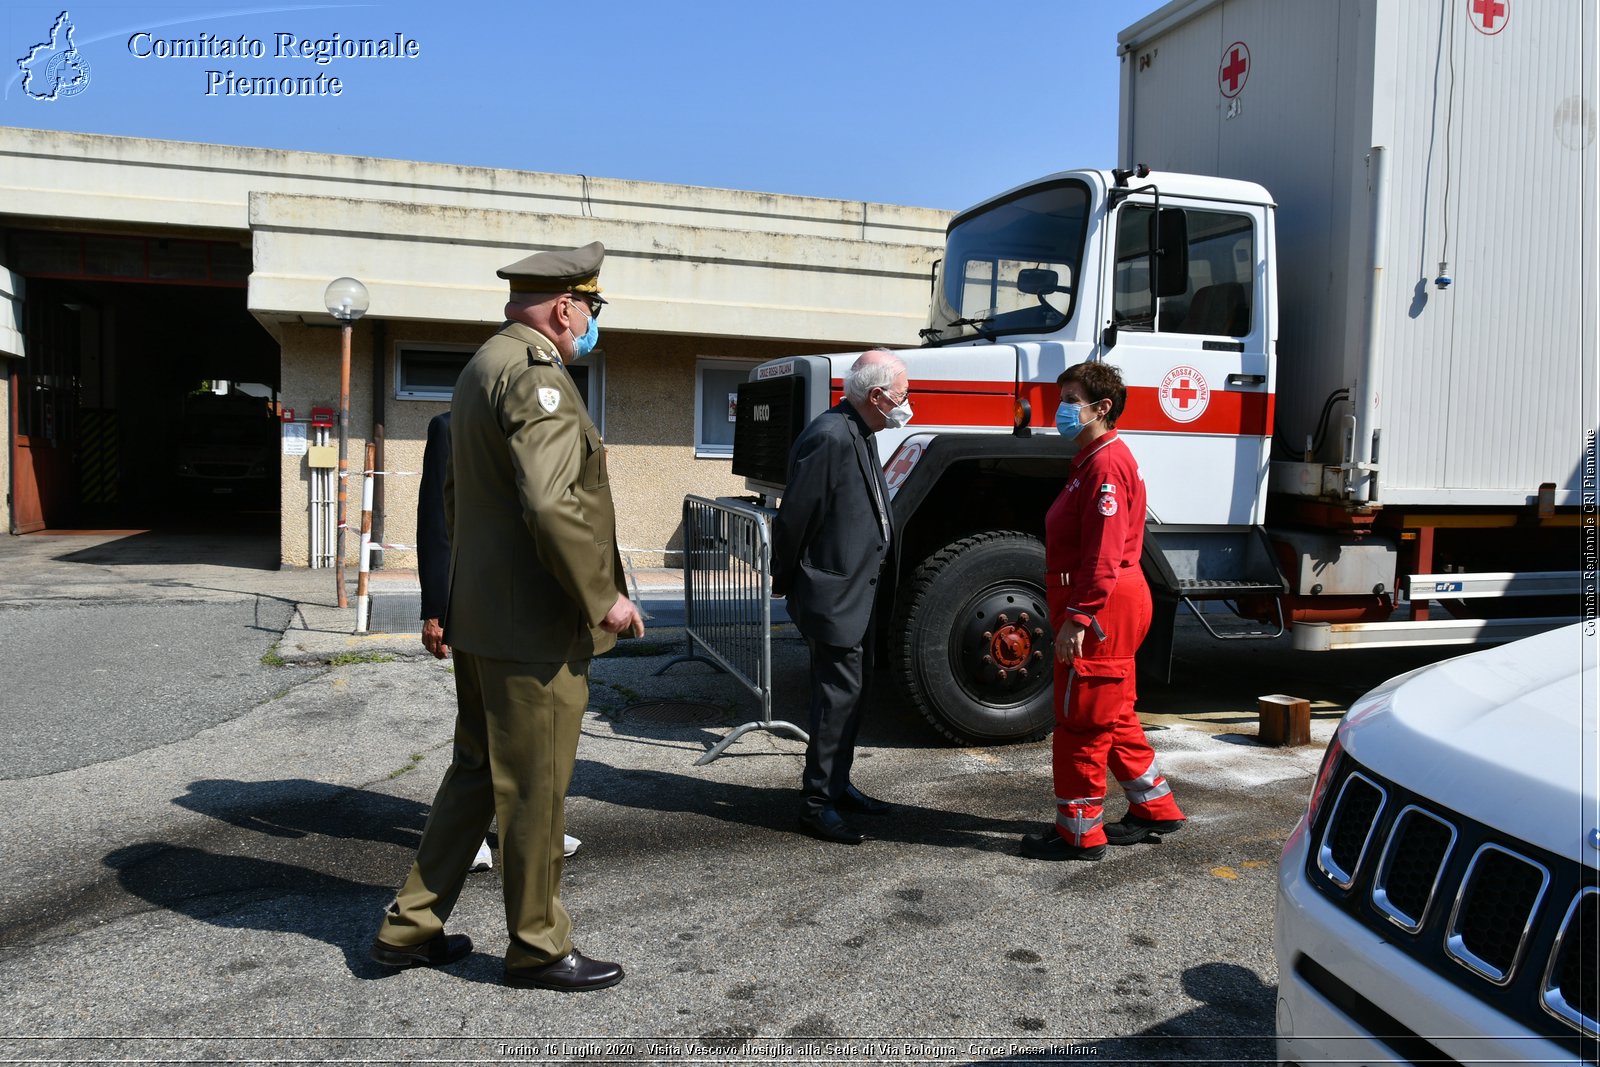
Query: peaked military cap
[{"x": 575, "y": 271}]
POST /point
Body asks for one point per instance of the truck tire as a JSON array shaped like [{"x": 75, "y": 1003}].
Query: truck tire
[{"x": 971, "y": 639}]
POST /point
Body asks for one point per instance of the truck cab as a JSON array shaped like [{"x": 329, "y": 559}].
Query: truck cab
[{"x": 1169, "y": 277}]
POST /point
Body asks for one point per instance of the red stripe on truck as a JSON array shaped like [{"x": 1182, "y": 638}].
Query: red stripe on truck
[{"x": 970, "y": 404}]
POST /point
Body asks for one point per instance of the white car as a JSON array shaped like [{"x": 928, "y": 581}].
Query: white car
[{"x": 1439, "y": 901}]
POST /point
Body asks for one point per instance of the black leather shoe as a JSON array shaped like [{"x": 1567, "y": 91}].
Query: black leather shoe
[
  {"x": 435, "y": 952},
  {"x": 857, "y": 801},
  {"x": 1133, "y": 830},
  {"x": 1052, "y": 846},
  {"x": 572, "y": 973},
  {"x": 828, "y": 825}
]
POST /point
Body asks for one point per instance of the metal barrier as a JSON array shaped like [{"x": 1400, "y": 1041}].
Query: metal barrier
[{"x": 727, "y": 602}]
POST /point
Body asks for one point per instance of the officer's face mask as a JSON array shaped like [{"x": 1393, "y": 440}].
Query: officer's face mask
[
  {"x": 1068, "y": 424},
  {"x": 583, "y": 345}
]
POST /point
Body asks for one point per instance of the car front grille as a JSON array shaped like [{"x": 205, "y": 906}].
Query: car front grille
[{"x": 1513, "y": 924}]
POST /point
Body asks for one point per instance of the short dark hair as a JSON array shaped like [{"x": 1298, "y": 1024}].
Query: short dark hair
[{"x": 1099, "y": 381}]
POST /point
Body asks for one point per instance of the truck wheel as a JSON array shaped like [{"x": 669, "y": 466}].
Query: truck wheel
[{"x": 972, "y": 642}]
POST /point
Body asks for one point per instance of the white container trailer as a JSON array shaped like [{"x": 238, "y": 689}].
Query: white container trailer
[
  {"x": 1464, "y": 328},
  {"x": 1433, "y": 166},
  {"x": 1469, "y": 128}
]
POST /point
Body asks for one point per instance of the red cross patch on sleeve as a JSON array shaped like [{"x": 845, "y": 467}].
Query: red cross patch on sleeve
[{"x": 1108, "y": 505}]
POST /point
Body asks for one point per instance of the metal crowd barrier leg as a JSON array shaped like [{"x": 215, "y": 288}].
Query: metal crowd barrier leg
[{"x": 727, "y": 603}]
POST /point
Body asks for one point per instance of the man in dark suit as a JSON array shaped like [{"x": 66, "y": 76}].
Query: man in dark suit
[
  {"x": 433, "y": 571},
  {"x": 536, "y": 591},
  {"x": 830, "y": 542}
]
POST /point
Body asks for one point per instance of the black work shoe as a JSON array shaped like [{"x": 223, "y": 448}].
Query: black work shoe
[
  {"x": 572, "y": 973},
  {"x": 434, "y": 952},
  {"x": 1133, "y": 830},
  {"x": 828, "y": 825},
  {"x": 1052, "y": 846},
  {"x": 857, "y": 801}
]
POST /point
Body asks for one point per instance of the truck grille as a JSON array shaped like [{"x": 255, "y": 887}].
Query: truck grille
[{"x": 1516, "y": 926}]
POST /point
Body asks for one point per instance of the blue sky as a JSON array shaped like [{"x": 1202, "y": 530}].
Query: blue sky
[{"x": 934, "y": 103}]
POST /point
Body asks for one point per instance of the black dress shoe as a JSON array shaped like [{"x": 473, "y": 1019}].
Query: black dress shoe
[
  {"x": 1052, "y": 846},
  {"x": 829, "y": 826},
  {"x": 572, "y": 973},
  {"x": 857, "y": 801},
  {"x": 435, "y": 952},
  {"x": 1133, "y": 830}
]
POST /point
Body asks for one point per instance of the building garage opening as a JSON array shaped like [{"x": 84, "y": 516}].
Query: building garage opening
[{"x": 148, "y": 397}]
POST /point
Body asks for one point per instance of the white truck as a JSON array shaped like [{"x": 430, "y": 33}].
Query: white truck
[{"x": 1347, "y": 269}]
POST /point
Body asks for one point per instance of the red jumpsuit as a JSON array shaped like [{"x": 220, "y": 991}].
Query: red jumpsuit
[{"x": 1094, "y": 533}]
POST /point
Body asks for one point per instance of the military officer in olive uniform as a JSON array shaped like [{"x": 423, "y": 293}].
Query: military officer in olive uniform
[{"x": 536, "y": 591}]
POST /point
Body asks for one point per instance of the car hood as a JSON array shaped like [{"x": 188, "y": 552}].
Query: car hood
[{"x": 1506, "y": 736}]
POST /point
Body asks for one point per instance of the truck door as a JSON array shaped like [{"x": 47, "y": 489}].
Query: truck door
[{"x": 1191, "y": 309}]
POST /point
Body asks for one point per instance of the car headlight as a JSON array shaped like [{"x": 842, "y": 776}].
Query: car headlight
[{"x": 1325, "y": 775}]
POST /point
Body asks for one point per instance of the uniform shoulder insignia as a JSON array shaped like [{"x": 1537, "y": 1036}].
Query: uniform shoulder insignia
[
  {"x": 1108, "y": 505},
  {"x": 1108, "y": 488},
  {"x": 549, "y": 398}
]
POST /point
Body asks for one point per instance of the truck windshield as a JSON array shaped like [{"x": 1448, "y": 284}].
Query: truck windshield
[{"x": 1011, "y": 267}]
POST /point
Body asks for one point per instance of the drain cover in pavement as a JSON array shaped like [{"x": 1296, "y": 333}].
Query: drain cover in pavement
[{"x": 672, "y": 713}]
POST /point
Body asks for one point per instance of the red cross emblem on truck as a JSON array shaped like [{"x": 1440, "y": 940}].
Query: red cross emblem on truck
[
  {"x": 1489, "y": 16},
  {"x": 1184, "y": 394},
  {"x": 1235, "y": 69}
]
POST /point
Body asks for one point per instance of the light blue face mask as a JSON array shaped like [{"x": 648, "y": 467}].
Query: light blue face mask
[
  {"x": 582, "y": 346},
  {"x": 1067, "y": 422}
]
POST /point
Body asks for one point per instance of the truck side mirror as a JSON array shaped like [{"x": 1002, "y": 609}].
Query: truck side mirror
[
  {"x": 1172, "y": 253},
  {"x": 1036, "y": 281}
]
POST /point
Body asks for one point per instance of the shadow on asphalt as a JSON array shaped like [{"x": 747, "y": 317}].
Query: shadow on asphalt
[
  {"x": 1226, "y": 1028},
  {"x": 281, "y": 890},
  {"x": 245, "y": 549},
  {"x": 298, "y": 807},
  {"x": 249, "y": 893},
  {"x": 777, "y": 807}
]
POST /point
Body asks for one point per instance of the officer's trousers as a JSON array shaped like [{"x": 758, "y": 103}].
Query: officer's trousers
[
  {"x": 516, "y": 740},
  {"x": 1096, "y": 725}
]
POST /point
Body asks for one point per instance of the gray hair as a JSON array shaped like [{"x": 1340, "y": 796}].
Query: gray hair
[{"x": 875, "y": 369}]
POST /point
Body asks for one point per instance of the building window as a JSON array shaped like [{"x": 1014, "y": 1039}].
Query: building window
[
  {"x": 716, "y": 384},
  {"x": 429, "y": 372}
]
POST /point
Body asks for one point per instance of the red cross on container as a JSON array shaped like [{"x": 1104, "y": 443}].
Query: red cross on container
[
  {"x": 1234, "y": 69},
  {"x": 1489, "y": 17},
  {"x": 1184, "y": 392}
]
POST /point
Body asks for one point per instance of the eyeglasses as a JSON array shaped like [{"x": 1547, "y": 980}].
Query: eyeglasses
[{"x": 589, "y": 305}]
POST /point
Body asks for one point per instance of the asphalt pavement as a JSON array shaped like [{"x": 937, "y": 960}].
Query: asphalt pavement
[{"x": 215, "y": 786}]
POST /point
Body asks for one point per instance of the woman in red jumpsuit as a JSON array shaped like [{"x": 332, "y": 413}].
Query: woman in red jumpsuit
[{"x": 1100, "y": 609}]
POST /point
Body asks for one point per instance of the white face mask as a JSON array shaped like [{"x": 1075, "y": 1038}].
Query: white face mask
[{"x": 898, "y": 415}]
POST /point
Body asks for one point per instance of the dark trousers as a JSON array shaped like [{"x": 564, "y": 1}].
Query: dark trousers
[{"x": 838, "y": 698}]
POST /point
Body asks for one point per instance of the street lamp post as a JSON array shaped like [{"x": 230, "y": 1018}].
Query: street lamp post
[{"x": 347, "y": 301}]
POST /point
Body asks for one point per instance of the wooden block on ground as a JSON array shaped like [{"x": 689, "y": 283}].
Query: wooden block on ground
[{"x": 1284, "y": 720}]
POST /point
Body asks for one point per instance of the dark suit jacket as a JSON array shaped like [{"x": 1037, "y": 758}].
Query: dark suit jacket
[
  {"x": 827, "y": 541},
  {"x": 433, "y": 539}
]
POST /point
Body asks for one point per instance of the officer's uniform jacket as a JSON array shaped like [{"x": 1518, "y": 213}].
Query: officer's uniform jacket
[{"x": 534, "y": 564}]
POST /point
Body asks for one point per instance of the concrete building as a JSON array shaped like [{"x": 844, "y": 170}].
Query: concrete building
[{"x": 136, "y": 276}]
